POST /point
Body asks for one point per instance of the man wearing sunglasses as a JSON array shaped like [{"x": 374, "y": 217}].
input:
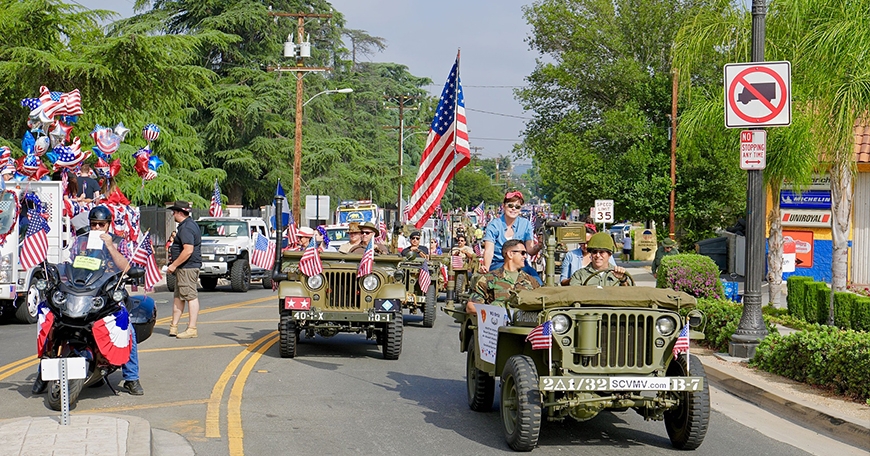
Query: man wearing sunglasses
[
  {"x": 509, "y": 226},
  {"x": 600, "y": 248},
  {"x": 415, "y": 249},
  {"x": 496, "y": 286}
]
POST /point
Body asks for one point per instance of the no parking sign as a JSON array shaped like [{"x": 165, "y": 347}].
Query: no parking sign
[{"x": 757, "y": 94}]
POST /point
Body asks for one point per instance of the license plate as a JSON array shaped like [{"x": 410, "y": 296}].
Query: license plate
[{"x": 621, "y": 383}]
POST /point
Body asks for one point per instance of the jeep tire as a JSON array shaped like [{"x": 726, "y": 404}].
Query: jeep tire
[
  {"x": 392, "y": 338},
  {"x": 209, "y": 283},
  {"x": 429, "y": 307},
  {"x": 520, "y": 403},
  {"x": 687, "y": 423},
  {"x": 461, "y": 281},
  {"x": 481, "y": 385},
  {"x": 170, "y": 281},
  {"x": 240, "y": 275},
  {"x": 289, "y": 333}
]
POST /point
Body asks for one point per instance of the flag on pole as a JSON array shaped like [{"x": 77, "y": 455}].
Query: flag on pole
[
  {"x": 287, "y": 219},
  {"x": 457, "y": 261},
  {"x": 263, "y": 255},
  {"x": 144, "y": 257},
  {"x": 424, "y": 278},
  {"x": 368, "y": 260},
  {"x": 682, "y": 343},
  {"x": 542, "y": 336},
  {"x": 446, "y": 151},
  {"x": 310, "y": 264},
  {"x": 479, "y": 212},
  {"x": 34, "y": 249},
  {"x": 215, "y": 209}
]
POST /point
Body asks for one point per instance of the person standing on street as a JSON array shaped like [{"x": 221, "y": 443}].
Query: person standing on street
[
  {"x": 186, "y": 261},
  {"x": 626, "y": 248},
  {"x": 669, "y": 247}
]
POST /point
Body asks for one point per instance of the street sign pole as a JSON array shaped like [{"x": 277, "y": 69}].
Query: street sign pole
[{"x": 751, "y": 329}]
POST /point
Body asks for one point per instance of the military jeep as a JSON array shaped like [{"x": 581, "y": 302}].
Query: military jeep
[
  {"x": 338, "y": 301},
  {"x": 416, "y": 299},
  {"x": 610, "y": 349}
]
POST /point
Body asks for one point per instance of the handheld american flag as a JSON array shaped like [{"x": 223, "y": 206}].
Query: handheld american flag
[
  {"x": 310, "y": 264},
  {"x": 264, "y": 252},
  {"x": 144, "y": 256},
  {"x": 479, "y": 212},
  {"x": 542, "y": 336},
  {"x": 446, "y": 151},
  {"x": 424, "y": 279},
  {"x": 368, "y": 260},
  {"x": 34, "y": 249}
]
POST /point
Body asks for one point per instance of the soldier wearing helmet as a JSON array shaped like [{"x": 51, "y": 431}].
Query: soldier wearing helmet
[{"x": 600, "y": 248}]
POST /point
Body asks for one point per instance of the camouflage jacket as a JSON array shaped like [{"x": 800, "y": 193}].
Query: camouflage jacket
[
  {"x": 495, "y": 287},
  {"x": 603, "y": 280}
]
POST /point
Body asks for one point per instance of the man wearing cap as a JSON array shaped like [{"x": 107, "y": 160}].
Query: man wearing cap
[
  {"x": 600, "y": 248},
  {"x": 369, "y": 231},
  {"x": 415, "y": 249},
  {"x": 186, "y": 259},
  {"x": 509, "y": 226},
  {"x": 669, "y": 247},
  {"x": 354, "y": 234}
]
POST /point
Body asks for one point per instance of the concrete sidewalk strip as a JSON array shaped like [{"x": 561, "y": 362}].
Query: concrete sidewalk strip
[{"x": 85, "y": 435}]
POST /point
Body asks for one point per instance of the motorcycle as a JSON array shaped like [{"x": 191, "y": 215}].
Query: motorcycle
[{"x": 86, "y": 312}]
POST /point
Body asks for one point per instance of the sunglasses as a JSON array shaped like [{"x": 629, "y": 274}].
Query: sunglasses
[
  {"x": 415, "y": 238},
  {"x": 513, "y": 206},
  {"x": 597, "y": 252},
  {"x": 99, "y": 224},
  {"x": 521, "y": 252}
]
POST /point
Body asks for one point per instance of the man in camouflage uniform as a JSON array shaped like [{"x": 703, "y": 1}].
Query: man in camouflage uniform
[
  {"x": 496, "y": 286},
  {"x": 603, "y": 274}
]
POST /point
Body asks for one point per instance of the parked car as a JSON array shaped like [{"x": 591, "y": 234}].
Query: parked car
[{"x": 619, "y": 231}]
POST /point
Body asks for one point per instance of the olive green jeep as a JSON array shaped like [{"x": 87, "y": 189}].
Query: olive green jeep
[
  {"x": 338, "y": 301},
  {"x": 416, "y": 299},
  {"x": 609, "y": 349}
]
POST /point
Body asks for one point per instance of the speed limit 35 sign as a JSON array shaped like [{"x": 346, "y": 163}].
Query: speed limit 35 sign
[{"x": 603, "y": 211}]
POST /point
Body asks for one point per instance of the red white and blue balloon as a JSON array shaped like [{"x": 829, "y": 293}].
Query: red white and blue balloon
[
  {"x": 107, "y": 140},
  {"x": 151, "y": 132},
  {"x": 70, "y": 156}
]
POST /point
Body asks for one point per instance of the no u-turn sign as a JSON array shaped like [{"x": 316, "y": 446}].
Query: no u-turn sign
[{"x": 757, "y": 94}]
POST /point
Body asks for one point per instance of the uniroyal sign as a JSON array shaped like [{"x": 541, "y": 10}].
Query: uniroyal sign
[{"x": 806, "y": 218}]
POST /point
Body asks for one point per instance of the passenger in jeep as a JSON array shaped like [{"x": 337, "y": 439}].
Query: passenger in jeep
[{"x": 496, "y": 286}]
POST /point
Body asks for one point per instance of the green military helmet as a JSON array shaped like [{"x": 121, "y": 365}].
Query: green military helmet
[{"x": 600, "y": 241}]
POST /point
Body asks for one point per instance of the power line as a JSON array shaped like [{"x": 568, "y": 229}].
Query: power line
[
  {"x": 475, "y": 138},
  {"x": 497, "y": 113}
]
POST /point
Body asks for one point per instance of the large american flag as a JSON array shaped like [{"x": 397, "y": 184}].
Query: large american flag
[
  {"x": 34, "y": 249},
  {"x": 144, "y": 257},
  {"x": 368, "y": 260},
  {"x": 425, "y": 278},
  {"x": 264, "y": 252},
  {"x": 682, "y": 343},
  {"x": 310, "y": 264},
  {"x": 542, "y": 336},
  {"x": 446, "y": 151}
]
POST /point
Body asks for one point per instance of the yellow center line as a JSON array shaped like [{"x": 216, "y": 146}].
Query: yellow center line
[
  {"x": 259, "y": 320},
  {"x": 16, "y": 363},
  {"x": 212, "y": 414},
  {"x": 28, "y": 363},
  {"x": 193, "y": 347},
  {"x": 126, "y": 408},
  {"x": 235, "y": 433}
]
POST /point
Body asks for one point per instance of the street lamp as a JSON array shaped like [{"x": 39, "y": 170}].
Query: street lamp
[
  {"x": 345, "y": 90},
  {"x": 297, "y": 149}
]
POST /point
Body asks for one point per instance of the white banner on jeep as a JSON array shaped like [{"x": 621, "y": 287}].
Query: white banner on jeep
[{"x": 621, "y": 383}]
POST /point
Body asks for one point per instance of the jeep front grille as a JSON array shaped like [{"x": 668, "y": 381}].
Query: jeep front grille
[
  {"x": 625, "y": 340},
  {"x": 343, "y": 290}
]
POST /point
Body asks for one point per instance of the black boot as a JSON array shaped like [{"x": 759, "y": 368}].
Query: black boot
[
  {"x": 134, "y": 387},
  {"x": 39, "y": 385}
]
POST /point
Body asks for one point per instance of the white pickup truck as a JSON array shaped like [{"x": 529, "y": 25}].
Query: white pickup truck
[
  {"x": 16, "y": 301},
  {"x": 227, "y": 245}
]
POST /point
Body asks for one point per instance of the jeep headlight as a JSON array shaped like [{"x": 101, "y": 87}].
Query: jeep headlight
[
  {"x": 399, "y": 275},
  {"x": 561, "y": 324},
  {"x": 370, "y": 282},
  {"x": 666, "y": 326},
  {"x": 315, "y": 282}
]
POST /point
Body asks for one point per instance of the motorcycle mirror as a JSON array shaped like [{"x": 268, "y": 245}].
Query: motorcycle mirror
[{"x": 135, "y": 273}]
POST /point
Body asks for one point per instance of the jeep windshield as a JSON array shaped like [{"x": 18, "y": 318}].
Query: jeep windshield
[{"x": 222, "y": 228}]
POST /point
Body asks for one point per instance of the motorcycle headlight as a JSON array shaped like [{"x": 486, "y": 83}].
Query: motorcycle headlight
[
  {"x": 315, "y": 282},
  {"x": 370, "y": 282},
  {"x": 666, "y": 326},
  {"x": 561, "y": 324},
  {"x": 58, "y": 298},
  {"x": 97, "y": 303},
  {"x": 118, "y": 295},
  {"x": 42, "y": 285}
]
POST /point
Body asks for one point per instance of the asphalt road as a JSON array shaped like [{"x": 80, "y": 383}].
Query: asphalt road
[{"x": 228, "y": 392}]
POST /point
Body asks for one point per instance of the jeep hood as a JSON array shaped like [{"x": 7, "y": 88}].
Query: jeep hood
[{"x": 580, "y": 296}]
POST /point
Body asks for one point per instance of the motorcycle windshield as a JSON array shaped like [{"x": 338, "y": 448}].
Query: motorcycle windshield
[{"x": 90, "y": 266}]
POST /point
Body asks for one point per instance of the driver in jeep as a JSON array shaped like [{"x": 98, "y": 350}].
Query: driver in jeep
[
  {"x": 497, "y": 285},
  {"x": 599, "y": 272}
]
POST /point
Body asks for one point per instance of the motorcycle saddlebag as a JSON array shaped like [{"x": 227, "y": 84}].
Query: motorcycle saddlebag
[{"x": 143, "y": 315}]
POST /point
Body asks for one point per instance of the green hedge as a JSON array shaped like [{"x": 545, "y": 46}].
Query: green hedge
[
  {"x": 797, "y": 290},
  {"x": 810, "y": 301},
  {"x": 827, "y": 357},
  {"x": 694, "y": 274},
  {"x": 861, "y": 313},
  {"x": 723, "y": 316}
]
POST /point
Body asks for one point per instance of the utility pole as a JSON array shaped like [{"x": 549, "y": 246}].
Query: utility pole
[
  {"x": 751, "y": 329},
  {"x": 673, "y": 135},
  {"x": 401, "y": 105},
  {"x": 301, "y": 51}
]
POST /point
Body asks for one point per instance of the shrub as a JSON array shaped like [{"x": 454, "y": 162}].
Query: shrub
[
  {"x": 861, "y": 313},
  {"x": 723, "y": 317},
  {"x": 843, "y": 302},
  {"x": 797, "y": 290},
  {"x": 823, "y": 303},
  {"x": 809, "y": 305},
  {"x": 694, "y": 274},
  {"x": 827, "y": 357}
]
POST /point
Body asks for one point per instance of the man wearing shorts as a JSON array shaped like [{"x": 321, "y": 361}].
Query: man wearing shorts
[{"x": 185, "y": 264}]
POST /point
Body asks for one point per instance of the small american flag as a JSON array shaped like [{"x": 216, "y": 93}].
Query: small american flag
[
  {"x": 292, "y": 235},
  {"x": 310, "y": 264},
  {"x": 424, "y": 279},
  {"x": 264, "y": 252},
  {"x": 457, "y": 261},
  {"x": 542, "y": 336},
  {"x": 34, "y": 249},
  {"x": 479, "y": 212},
  {"x": 382, "y": 232},
  {"x": 477, "y": 249},
  {"x": 682, "y": 344},
  {"x": 368, "y": 260},
  {"x": 215, "y": 209},
  {"x": 144, "y": 256}
]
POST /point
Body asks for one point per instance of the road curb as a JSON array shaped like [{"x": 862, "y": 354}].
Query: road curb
[
  {"x": 839, "y": 428},
  {"x": 138, "y": 434}
]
